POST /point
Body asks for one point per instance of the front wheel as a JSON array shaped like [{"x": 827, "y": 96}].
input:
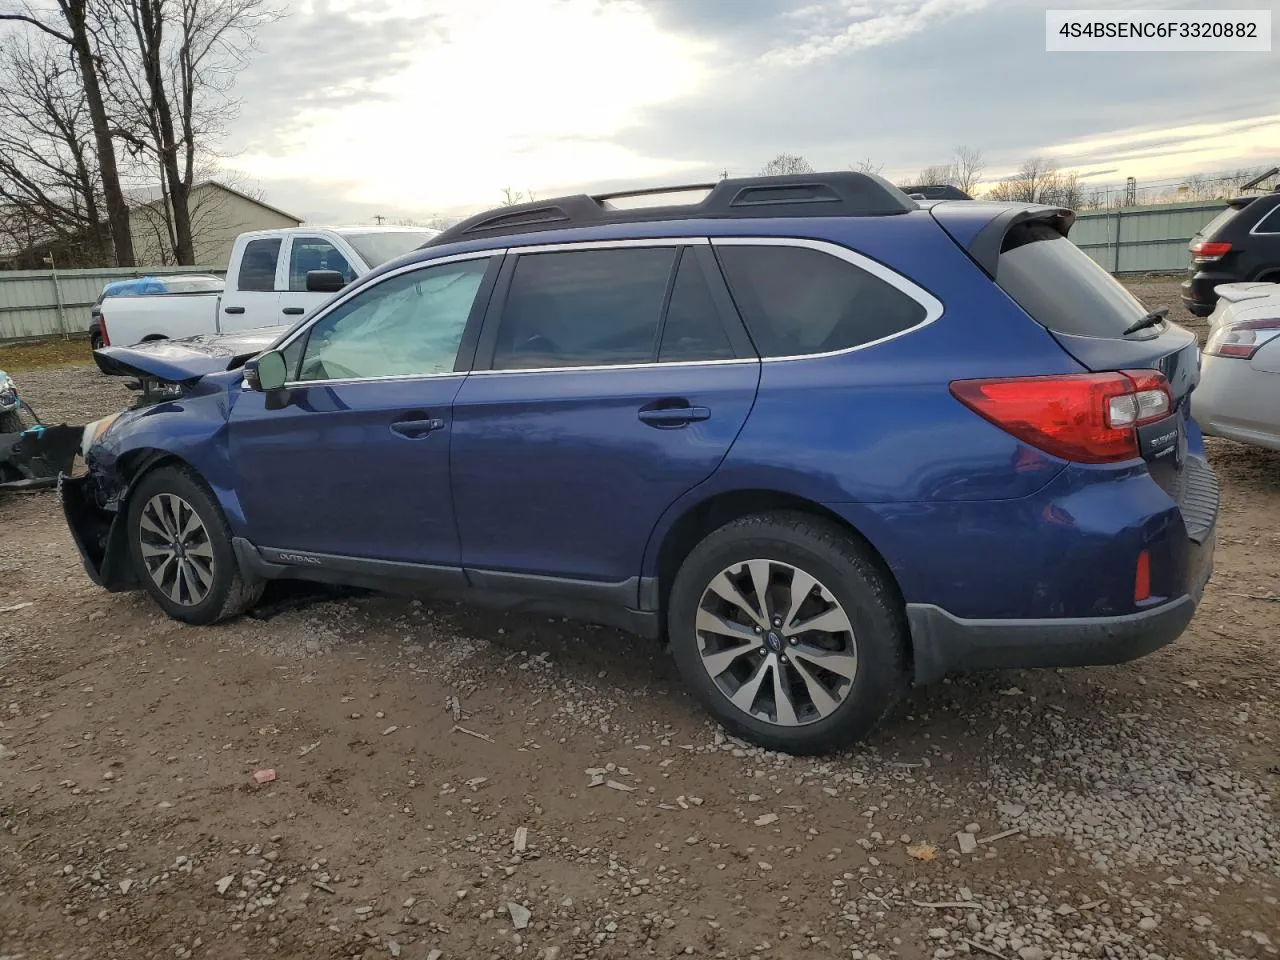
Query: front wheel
[
  {"x": 788, "y": 633},
  {"x": 181, "y": 549}
]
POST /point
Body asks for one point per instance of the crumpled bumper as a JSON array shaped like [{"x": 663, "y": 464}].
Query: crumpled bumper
[{"x": 99, "y": 534}]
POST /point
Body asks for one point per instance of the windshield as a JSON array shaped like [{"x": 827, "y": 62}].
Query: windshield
[{"x": 377, "y": 248}]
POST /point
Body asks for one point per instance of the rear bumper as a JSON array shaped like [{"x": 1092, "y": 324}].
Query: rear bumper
[
  {"x": 1237, "y": 401},
  {"x": 1199, "y": 292},
  {"x": 945, "y": 644}
]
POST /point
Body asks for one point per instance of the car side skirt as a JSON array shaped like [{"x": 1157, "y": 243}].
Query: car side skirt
[{"x": 610, "y": 604}]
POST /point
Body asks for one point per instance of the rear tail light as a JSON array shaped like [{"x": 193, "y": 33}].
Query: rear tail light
[
  {"x": 1086, "y": 418},
  {"x": 102, "y": 329},
  {"x": 1242, "y": 339},
  {"x": 1205, "y": 251}
]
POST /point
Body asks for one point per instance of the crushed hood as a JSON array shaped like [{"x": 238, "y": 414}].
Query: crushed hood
[{"x": 178, "y": 361}]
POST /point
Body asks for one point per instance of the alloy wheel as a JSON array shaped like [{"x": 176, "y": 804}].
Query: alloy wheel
[
  {"x": 776, "y": 642},
  {"x": 176, "y": 549}
]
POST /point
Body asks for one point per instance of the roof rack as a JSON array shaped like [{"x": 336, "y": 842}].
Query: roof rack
[
  {"x": 839, "y": 194},
  {"x": 936, "y": 191}
]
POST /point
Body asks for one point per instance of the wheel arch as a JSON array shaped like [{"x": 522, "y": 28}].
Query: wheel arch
[
  {"x": 131, "y": 466},
  {"x": 696, "y": 520}
]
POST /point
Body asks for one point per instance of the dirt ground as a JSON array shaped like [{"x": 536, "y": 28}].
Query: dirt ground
[{"x": 433, "y": 768}]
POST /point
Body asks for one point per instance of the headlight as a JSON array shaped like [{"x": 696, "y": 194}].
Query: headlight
[{"x": 93, "y": 432}]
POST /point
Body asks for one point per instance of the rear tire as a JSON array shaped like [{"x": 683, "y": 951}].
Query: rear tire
[
  {"x": 821, "y": 665},
  {"x": 180, "y": 546}
]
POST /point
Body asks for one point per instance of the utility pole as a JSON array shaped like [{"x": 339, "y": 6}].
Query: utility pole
[{"x": 379, "y": 218}]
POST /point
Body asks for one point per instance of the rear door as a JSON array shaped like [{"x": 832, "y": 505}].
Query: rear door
[
  {"x": 1088, "y": 311},
  {"x": 303, "y": 254},
  {"x": 252, "y": 295},
  {"x": 608, "y": 382}
]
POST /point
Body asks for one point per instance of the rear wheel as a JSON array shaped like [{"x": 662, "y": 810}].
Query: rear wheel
[
  {"x": 788, "y": 633},
  {"x": 181, "y": 549}
]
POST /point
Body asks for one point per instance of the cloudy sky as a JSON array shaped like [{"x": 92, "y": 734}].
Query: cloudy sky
[{"x": 412, "y": 108}]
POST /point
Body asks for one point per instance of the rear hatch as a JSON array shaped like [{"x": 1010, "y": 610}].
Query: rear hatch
[
  {"x": 1209, "y": 244},
  {"x": 1092, "y": 316}
]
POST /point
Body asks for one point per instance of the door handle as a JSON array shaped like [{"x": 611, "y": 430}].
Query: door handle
[
  {"x": 417, "y": 429},
  {"x": 236, "y": 310},
  {"x": 673, "y": 416},
  {"x": 293, "y": 311}
]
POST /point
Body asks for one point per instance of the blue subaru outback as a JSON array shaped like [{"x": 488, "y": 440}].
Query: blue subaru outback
[{"x": 825, "y": 440}]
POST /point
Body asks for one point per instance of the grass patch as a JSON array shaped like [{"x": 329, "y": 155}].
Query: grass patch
[{"x": 37, "y": 354}]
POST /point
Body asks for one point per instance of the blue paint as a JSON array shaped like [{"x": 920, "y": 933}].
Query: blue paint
[{"x": 553, "y": 473}]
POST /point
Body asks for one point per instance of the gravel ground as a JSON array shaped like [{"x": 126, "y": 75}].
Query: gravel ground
[{"x": 436, "y": 772}]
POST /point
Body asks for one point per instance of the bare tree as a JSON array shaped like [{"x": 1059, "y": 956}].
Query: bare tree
[
  {"x": 511, "y": 197},
  {"x": 1029, "y": 184},
  {"x": 867, "y": 166},
  {"x": 933, "y": 174},
  {"x": 49, "y": 180},
  {"x": 172, "y": 66},
  {"x": 967, "y": 167},
  {"x": 1065, "y": 190},
  {"x": 785, "y": 163},
  {"x": 72, "y": 26}
]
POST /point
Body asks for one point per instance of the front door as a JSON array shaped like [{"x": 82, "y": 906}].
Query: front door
[
  {"x": 616, "y": 383},
  {"x": 354, "y": 459},
  {"x": 304, "y": 255}
]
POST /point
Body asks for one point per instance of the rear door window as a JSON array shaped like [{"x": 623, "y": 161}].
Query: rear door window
[
  {"x": 693, "y": 329},
  {"x": 1270, "y": 223},
  {"x": 798, "y": 301},
  {"x": 584, "y": 308},
  {"x": 258, "y": 266},
  {"x": 1060, "y": 287}
]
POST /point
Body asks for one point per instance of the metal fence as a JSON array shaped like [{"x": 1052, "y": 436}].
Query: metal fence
[
  {"x": 1143, "y": 239},
  {"x": 41, "y": 303},
  {"x": 36, "y": 303}
]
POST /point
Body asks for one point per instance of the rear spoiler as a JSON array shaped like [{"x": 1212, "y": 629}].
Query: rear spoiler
[{"x": 980, "y": 227}]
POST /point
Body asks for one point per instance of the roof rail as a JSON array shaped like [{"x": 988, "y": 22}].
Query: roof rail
[
  {"x": 936, "y": 191},
  {"x": 839, "y": 194}
]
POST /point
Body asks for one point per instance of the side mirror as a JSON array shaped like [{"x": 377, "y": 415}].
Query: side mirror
[
  {"x": 266, "y": 372},
  {"x": 325, "y": 281}
]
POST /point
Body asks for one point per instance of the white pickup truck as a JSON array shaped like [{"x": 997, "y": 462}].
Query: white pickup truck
[{"x": 266, "y": 283}]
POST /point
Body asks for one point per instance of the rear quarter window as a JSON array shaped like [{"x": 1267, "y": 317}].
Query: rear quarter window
[
  {"x": 1060, "y": 287},
  {"x": 799, "y": 301}
]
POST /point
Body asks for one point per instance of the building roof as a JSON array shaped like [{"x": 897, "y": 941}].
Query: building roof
[{"x": 149, "y": 196}]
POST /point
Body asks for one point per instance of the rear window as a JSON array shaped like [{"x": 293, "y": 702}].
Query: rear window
[
  {"x": 1218, "y": 222},
  {"x": 1055, "y": 282}
]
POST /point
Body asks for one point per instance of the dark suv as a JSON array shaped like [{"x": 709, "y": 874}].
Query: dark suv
[
  {"x": 1240, "y": 244},
  {"x": 824, "y": 439}
]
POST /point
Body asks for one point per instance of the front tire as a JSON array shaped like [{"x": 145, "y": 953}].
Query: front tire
[
  {"x": 788, "y": 633},
  {"x": 180, "y": 545}
]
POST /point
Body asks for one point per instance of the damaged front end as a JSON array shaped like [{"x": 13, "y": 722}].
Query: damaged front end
[{"x": 93, "y": 505}]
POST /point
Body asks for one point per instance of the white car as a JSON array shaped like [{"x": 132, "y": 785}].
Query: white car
[
  {"x": 1239, "y": 392},
  {"x": 269, "y": 283}
]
